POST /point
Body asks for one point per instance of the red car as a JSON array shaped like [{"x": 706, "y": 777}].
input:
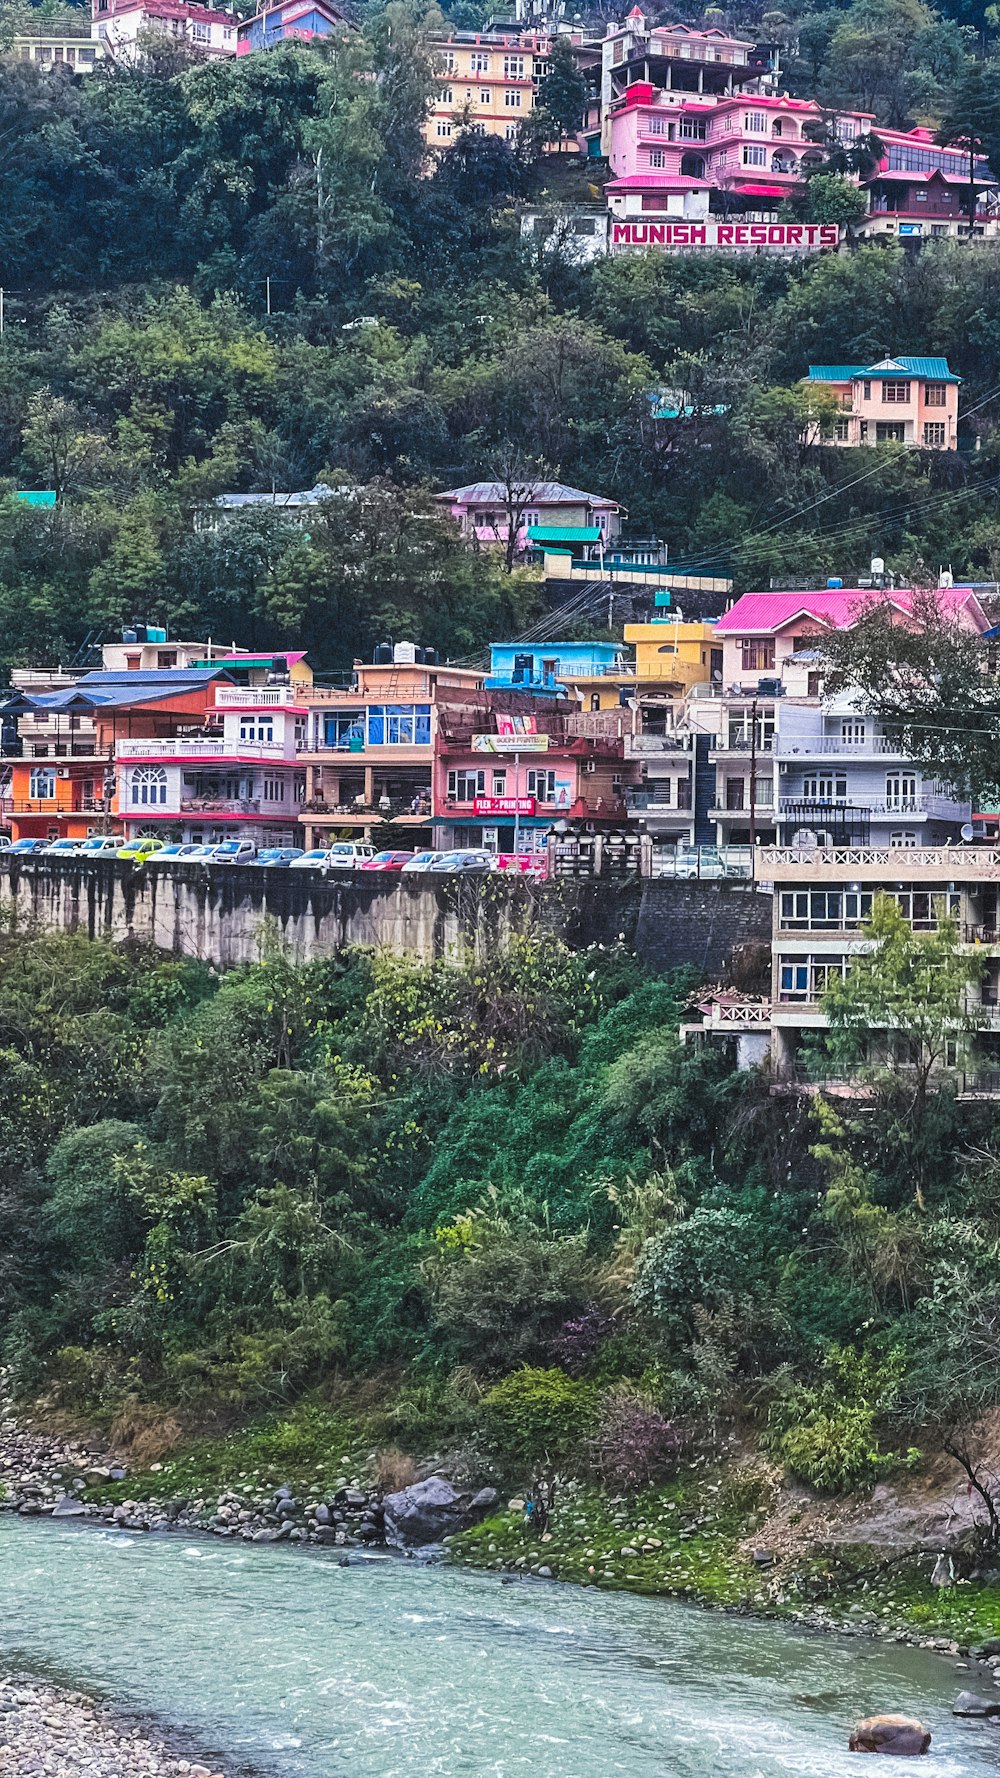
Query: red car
[{"x": 387, "y": 861}]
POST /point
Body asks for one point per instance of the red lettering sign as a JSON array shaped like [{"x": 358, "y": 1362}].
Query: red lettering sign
[
  {"x": 782, "y": 237},
  {"x": 504, "y": 805}
]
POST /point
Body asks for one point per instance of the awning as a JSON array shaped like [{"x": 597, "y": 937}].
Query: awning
[
  {"x": 564, "y": 534},
  {"x": 761, "y": 191}
]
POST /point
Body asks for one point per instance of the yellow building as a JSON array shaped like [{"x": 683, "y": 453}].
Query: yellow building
[
  {"x": 674, "y": 654},
  {"x": 488, "y": 81}
]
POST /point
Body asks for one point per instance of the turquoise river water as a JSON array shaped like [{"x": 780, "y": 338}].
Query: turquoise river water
[{"x": 283, "y": 1663}]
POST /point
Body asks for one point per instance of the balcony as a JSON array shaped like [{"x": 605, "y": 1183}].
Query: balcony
[
  {"x": 922, "y": 808},
  {"x": 215, "y": 805},
  {"x": 54, "y": 749},
  {"x": 643, "y": 801},
  {"x": 879, "y": 865},
  {"x": 193, "y": 747},
  {"x": 264, "y": 697},
  {"x": 824, "y": 746},
  {"x": 740, "y": 744}
]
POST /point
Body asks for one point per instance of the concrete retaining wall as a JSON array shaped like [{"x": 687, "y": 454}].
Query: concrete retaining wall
[{"x": 226, "y": 915}]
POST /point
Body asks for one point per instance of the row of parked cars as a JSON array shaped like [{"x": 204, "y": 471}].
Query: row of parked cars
[{"x": 342, "y": 855}]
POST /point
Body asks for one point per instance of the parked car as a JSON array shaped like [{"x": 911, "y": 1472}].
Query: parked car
[
  {"x": 467, "y": 861},
  {"x": 234, "y": 852},
  {"x": 387, "y": 861},
  {"x": 312, "y": 860},
  {"x": 346, "y": 855},
  {"x": 99, "y": 845},
  {"x": 22, "y": 848},
  {"x": 137, "y": 851},
  {"x": 422, "y": 861},
  {"x": 60, "y": 848},
  {"x": 275, "y": 857}
]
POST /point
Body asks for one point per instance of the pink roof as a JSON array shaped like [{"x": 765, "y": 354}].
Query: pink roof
[
  {"x": 837, "y": 608},
  {"x": 653, "y": 182}
]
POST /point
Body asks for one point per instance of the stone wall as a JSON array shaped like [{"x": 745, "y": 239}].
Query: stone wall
[{"x": 225, "y": 915}]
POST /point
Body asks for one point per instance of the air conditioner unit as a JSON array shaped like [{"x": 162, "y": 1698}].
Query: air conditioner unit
[{"x": 62, "y": 772}]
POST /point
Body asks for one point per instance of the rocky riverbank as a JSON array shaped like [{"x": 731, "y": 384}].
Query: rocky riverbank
[{"x": 46, "y": 1732}]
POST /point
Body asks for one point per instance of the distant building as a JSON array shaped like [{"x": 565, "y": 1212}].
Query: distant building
[
  {"x": 297, "y": 21},
  {"x": 67, "y": 45},
  {"x": 490, "y": 78},
  {"x": 295, "y": 506},
  {"x": 118, "y": 26},
  {"x": 912, "y": 401},
  {"x": 921, "y": 189},
  {"x": 485, "y": 511}
]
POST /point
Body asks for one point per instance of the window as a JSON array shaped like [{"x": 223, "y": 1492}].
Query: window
[
  {"x": 894, "y": 393},
  {"x": 923, "y": 908},
  {"x": 740, "y": 729},
  {"x": 345, "y": 733},
  {"x": 465, "y": 784},
  {"x": 935, "y": 394},
  {"x": 273, "y": 790},
  {"x": 934, "y": 433},
  {"x": 684, "y": 793},
  {"x": 889, "y": 432},
  {"x": 399, "y": 725},
  {"x": 825, "y": 787},
  {"x": 793, "y": 980},
  {"x": 901, "y": 790},
  {"x": 755, "y": 121},
  {"x": 902, "y": 836},
  {"x": 148, "y": 784},
  {"x": 479, "y": 62},
  {"x": 823, "y": 910},
  {"x": 513, "y": 67},
  {"x": 43, "y": 784},
  {"x": 541, "y": 784},
  {"x": 499, "y": 782},
  {"x": 166, "y": 658},
  {"x": 201, "y": 33},
  {"x": 299, "y": 787},
  {"x": 807, "y": 978},
  {"x": 657, "y": 158},
  {"x": 841, "y": 431},
  {"x": 485, "y": 95},
  {"x": 863, "y": 431},
  {"x": 853, "y": 731},
  {"x": 735, "y": 791},
  {"x": 754, "y": 156},
  {"x": 446, "y": 62},
  {"x": 866, "y": 391},
  {"x": 509, "y": 132},
  {"x": 692, "y": 129},
  {"x": 443, "y": 129},
  {"x": 512, "y": 98},
  {"x": 758, "y": 654},
  {"x": 763, "y": 793},
  {"x": 446, "y": 95},
  {"x": 655, "y": 126},
  {"x": 254, "y": 728}
]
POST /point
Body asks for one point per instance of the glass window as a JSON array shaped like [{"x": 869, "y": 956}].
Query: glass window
[
  {"x": 341, "y": 731},
  {"x": 895, "y": 392},
  {"x": 513, "y": 67},
  {"x": 657, "y": 157},
  {"x": 758, "y": 655},
  {"x": 43, "y": 784},
  {"x": 465, "y": 784},
  {"x": 825, "y": 787},
  {"x": 755, "y": 121},
  {"x": 148, "y": 785},
  {"x": 935, "y": 394},
  {"x": 934, "y": 433},
  {"x": 794, "y": 980},
  {"x": 754, "y": 156},
  {"x": 512, "y": 98}
]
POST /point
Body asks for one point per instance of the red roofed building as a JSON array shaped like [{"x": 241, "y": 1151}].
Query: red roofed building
[{"x": 120, "y": 24}]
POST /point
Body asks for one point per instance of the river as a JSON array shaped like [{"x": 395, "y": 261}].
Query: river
[{"x": 283, "y": 1662}]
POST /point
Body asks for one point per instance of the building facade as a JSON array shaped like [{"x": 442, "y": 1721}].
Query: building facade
[
  {"x": 119, "y": 25},
  {"x": 288, "y": 21},
  {"x": 911, "y": 401},
  {"x": 487, "y": 511},
  {"x": 488, "y": 82}
]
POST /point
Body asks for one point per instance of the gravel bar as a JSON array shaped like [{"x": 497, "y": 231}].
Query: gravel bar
[{"x": 46, "y": 1732}]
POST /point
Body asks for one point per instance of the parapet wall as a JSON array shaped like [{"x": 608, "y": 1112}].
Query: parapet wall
[{"x": 227, "y": 914}]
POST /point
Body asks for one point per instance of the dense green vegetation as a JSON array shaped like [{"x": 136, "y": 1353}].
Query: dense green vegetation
[
  {"x": 414, "y": 341},
  {"x": 567, "y": 1237}
]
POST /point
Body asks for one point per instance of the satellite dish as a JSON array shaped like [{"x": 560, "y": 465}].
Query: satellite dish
[{"x": 968, "y": 831}]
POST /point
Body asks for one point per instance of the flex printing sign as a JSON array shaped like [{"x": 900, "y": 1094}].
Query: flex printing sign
[
  {"x": 778, "y": 237},
  {"x": 504, "y": 805},
  {"x": 510, "y": 743}
]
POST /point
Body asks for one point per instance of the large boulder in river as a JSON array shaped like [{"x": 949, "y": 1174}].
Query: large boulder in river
[
  {"x": 897, "y": 1735},
  {"x": 428, "y": 1511}
]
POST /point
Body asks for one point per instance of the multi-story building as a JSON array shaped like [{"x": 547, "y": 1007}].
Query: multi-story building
[
  {"x": 911, "y": 401},
  {"x": 539, "y": 512},
  {"x": 821, "y": 897},
  {"x": 295, "y": 21},
  {"x": 119, "y": 25},
  {"x": 488, "y": 81},
  {"x": 921, "y": 189},
  {"x": 49, "y": 43}
]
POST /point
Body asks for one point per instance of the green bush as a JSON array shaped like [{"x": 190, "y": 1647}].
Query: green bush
[
  {"x": 828, "y": 1435},
  {"x": 539, "y": 1415}
]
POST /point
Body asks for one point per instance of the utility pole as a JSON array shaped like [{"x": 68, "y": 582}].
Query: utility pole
[
  {"x": 753, "y": 779},
  {"x": 517, "y": 805},
  {"x": 1, "y": 310},
  {"x": 267, "y": 298}
]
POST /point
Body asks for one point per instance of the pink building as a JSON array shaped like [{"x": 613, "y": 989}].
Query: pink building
[
  {"x": 485, "y": 510},
  {"x": 911, "y": 401},
  {"x": 922, "y": 189},
  {"x": 119, "y": 25}
]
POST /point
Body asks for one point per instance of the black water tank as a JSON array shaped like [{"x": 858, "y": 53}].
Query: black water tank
[
  {"x": 419, "y": 657},
  {"x": 524, "y": 666},
  {"x": 624, "y": 695},
  {"x": 430, "y": 657},
  {"x": 383, "y": 654}
]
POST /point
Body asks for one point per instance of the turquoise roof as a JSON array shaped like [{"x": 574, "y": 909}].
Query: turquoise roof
[{"x": 934, "y": 369}]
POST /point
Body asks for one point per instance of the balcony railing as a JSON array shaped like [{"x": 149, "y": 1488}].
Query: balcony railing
[
  {"x": 184, "y": 747},
  {"x": 935, "y": 807},
  {"x": 741, "y": 743},
  {"x": 824, "y": 745},
  {"x": 880, "y": 864},
  {"x": 649, "y": 799},
  {"x": 277, "y": 697},
  {"x": 55, "y": 749}
]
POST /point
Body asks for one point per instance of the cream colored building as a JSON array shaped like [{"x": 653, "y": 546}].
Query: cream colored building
[
  {"x": 57, "y": 47},
  {"x": 489, "y": 81}
]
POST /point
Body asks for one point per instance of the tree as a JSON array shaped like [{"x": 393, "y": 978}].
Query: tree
[
  {"x": 928, "y": 683},
  {"x": 972, "y": 121},
  {"x": 831, "y": 197},
  {"x": 563, "y": 92},
  {"x": 908, "y": 990}
]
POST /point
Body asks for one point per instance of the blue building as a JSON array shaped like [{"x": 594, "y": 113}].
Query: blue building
[
  {"x": 545, "y": 667},
  {"x": 295, "y": 20}
]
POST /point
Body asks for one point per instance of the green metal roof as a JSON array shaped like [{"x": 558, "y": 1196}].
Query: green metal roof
[
  {"x": 36, "y": 496},
  {"x": 936, "y": 370},
  {"x": 564, "y": 533}
]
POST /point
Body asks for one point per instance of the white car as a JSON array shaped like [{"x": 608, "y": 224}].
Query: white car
[
  {"x": 62, "y": 849},
  {"x": 314, "y": 860},
  {"x": 422, "y": 861},
  {"x": 98, "y": 846},
  {"x": 345, "y": 855},
  {"x": 233, "y": 852}
]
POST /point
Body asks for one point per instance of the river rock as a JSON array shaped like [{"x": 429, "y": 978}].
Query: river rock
[
  {"x": 971, "y": 1704},
  {"x": 423, "y": 1513},
  {"x": 896, "y": 1735},
  {"x": 67, "y": 1508}
]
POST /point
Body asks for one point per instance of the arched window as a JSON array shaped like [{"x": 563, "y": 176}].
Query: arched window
[
  {"x": 693, "y": 166},
  {"x": 149, "y": 784},
  {"x": 782, "y": 162}
]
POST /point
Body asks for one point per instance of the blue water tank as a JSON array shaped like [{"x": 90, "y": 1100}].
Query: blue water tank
[{"x": 834, "y": 585}]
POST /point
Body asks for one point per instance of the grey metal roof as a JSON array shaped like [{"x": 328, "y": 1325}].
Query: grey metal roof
[
  {"x": 539, "y": 493},
  {"x": 118, "y": 691},
  {"x": 305, "y": 497}
]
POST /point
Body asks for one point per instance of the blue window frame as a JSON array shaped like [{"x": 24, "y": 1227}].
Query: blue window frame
[
  {"x": 399, "y": 725},
  {"x": 344, "y": 732}
]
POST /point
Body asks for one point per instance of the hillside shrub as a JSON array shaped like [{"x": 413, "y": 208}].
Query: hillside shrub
[
  {"x": 536, "y": 1416},
  {"x": 633, "y": 1445}
]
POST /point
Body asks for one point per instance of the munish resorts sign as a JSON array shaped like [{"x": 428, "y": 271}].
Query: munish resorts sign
[{"x": 781, "y": 237}]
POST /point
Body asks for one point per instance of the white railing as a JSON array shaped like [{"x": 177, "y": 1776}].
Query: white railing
[
  {"x": 184, "y": 747},
  {"x": 794, "y": 746},
  {"x": 816, "y": 808},
  {"x": 264, "y": 697},
  {"x": 956, "y": 863}
]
